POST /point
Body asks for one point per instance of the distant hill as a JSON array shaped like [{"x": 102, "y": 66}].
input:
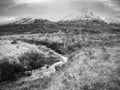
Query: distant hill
[{"x": 73, "y": 22}]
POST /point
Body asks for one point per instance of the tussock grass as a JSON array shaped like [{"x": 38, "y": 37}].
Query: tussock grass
[
  {"x": 30, "y": 60},
  {"x": 28, "y": 85},
  {"x": 14, "y": 42},
  {"x": 90, "y": 69},
  {"x": 94, "y": 63},
  {"x": 58, "y": 47},
  {"x": 9, "y": 67},
  {"x": 35, "y": 59}
]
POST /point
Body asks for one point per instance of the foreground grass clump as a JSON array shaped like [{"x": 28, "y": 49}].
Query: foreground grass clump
[
  {"x": 41, "y": 84},
  {"x": 35, "y": 59},
  {"x": 9, "y": 67},
  {"x": 30, "y": 60},
  {"x": 14, "y": 42},
  {"x": 90, "y": 69}
]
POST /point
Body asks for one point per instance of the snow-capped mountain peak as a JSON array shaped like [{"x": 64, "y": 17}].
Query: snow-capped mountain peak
[
  {"x": 81, "y": 15},
  {"x": 27, "y": 20},
  {"x": 24, "y": 20}
]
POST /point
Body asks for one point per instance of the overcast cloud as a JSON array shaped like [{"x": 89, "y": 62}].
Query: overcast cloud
[{"x": 56, "y": 9}]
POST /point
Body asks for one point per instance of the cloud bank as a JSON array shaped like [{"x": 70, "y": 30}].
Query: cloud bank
[{"x": 56, "y": 9}]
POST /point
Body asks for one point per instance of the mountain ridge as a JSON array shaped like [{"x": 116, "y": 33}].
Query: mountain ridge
[{"x": 112, "y": 20}]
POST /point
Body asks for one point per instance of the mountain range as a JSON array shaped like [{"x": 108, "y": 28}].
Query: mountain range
[
  {"x": 71, "y": 21},
  {"x": 79, "y": 15}
]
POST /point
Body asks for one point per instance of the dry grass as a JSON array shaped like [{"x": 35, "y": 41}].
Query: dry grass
[
  {"x": 90, "y": 69},
  {"x": 17, "y": 57},
  {"x": 94, "y": 62}
]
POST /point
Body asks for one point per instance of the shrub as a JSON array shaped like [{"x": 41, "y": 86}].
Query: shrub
[
  {"x": 32, "y": 60},
  {"x": 11, "y": 67},
  {"x": 14, "y": 42}
]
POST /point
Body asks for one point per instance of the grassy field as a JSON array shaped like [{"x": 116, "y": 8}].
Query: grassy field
[{"x": 93, "y": 60}]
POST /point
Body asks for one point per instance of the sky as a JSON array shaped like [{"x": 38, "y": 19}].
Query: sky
[{"x": 56, "y": 9}]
